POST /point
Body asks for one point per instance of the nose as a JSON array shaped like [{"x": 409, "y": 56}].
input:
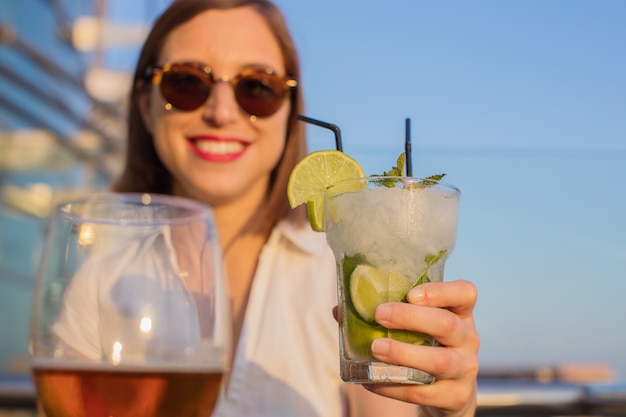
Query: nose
[{"x": 221, "y": 108}]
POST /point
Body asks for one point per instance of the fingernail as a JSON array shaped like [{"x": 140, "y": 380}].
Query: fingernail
[
  {"x": 415, "y": 296},
  {"x": 383, "y": 312},
  {"x": 380, "y": 347}
]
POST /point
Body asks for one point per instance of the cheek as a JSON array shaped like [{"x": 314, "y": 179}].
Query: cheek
[
  {"x": 276, "y": 132},
  {"x": 159, "y": 134},
  {"x": 164, "y": 137},
  {"x": 277, "y": 129}
]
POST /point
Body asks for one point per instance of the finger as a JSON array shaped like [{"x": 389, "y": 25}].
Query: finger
[
  {"x": 335, "y": 312},
  {"x": 457, "y": 296},
  {"x": 441, "y": 362},
  {"x": 444, "y": 325},
  {"x": 458, "y": 399}
]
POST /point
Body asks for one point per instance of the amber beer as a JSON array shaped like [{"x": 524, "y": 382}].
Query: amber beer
[{"x": 125, "y": 391}]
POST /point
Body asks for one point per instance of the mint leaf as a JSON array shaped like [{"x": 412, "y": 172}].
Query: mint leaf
[
  {"x": 437, "y": 177},
  {"x": 398, "y": 171},
  {"x": 426, "y": 182},
  {"x": 423, "y": 278},
  {"x": 351, "y": 262}
]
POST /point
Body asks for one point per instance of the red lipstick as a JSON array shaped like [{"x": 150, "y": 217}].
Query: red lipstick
[{"x": 217, "y": 148}]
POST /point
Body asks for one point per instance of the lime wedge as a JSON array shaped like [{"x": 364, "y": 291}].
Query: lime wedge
[
  {"x": 313, "y": 174},
  {"x": 370, "y": 287}
]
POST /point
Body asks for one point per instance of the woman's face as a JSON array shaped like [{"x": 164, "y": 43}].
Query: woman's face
[{"x": 216, "y": 153}]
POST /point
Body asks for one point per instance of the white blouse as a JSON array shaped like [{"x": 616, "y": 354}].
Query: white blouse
[{"x": 287, "y": 361}]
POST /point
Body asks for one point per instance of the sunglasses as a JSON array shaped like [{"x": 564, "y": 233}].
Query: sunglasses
[{"x": 187, "y": 86}]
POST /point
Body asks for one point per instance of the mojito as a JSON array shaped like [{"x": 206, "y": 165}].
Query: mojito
[{"x": 388, "y": 235}]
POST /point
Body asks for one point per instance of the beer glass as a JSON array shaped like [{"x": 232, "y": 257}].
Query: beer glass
[{"x": 130, "y": 312}]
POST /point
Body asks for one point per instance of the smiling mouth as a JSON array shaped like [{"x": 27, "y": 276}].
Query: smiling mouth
[
  {"x": 212, "y": 150},
  {"x": 219, "y": 147}
]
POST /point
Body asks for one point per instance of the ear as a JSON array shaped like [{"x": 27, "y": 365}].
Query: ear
[{"x": 144, "y": 97}]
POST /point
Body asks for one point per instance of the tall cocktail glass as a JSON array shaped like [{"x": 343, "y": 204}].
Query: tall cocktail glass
[
  {"x": 130, "y": 314},
  {"x": 388, "y": 234}
]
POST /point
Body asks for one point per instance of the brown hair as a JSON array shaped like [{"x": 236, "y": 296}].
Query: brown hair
[{"x": 144, "y": 171}]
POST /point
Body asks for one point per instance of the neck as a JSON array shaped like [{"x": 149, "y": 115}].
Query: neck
[
  {"x": 234, "y": 224},
  {"x": 243, "y": 219},
  {"x": 243, "y": 226}
]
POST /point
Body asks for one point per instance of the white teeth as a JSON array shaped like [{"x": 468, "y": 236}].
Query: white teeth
[{"x": 219, "y": 147}]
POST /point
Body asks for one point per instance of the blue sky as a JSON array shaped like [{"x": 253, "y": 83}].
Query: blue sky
[
  {"x": 471, "y": 74},
  {"x": 523, "y": 104}
]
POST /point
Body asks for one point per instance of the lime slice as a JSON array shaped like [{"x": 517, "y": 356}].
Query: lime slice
[
  {"x": 359, "y": 336},
  {"x": 313, "y": 174},
  {"x": 370, "y": 287}
]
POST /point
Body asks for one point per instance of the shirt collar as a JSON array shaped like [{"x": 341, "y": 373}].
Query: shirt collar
[{"x": 302, "y": 237}]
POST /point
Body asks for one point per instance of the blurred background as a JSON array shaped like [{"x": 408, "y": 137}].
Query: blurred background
[{"x": 521, "y": 103}]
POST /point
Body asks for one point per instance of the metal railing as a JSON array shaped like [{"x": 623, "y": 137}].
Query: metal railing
[
  {"x": 496, "y": 397},
  {"x": 17, "y": 392},
  {"x": 569, "y": 390}
]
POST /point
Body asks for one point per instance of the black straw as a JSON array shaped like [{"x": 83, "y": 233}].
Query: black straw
[
  {"x": 407, "y": 148},
  {"x": 330, "y": 126}
]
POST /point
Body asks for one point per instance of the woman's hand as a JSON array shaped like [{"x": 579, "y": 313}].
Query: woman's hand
[{"x": 444, "y": 310}]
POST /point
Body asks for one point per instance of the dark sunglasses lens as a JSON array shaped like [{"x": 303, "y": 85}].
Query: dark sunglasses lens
[
  {"x": 260, "y": 94},
  {"x": 184, "y": 90}
]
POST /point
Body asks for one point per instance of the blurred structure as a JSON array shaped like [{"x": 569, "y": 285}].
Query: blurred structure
[
  {"x": 65, "y": 75},
  {"x": 570, "y": 389}
]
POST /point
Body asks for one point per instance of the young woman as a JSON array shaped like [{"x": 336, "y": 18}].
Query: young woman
[{"x": 213, "y": 118}]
